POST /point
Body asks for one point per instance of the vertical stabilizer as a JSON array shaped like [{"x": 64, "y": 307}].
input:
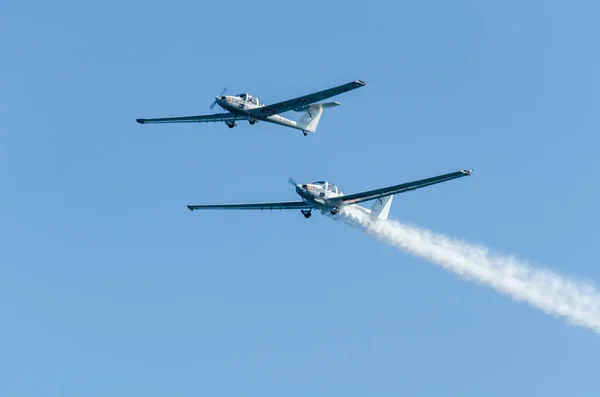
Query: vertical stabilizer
[
  {"x": 381, "y": 207},
  {"x": 310, "y": 119}
]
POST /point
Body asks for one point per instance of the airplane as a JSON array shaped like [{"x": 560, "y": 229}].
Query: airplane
[
  {"x": 326, "y": 197},
  {"x": 250, "y": 108}
]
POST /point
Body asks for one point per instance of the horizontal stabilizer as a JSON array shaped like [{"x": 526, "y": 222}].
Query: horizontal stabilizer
[{"x": 323, "y": 105}]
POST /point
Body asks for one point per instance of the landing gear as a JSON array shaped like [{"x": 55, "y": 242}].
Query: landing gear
[
  {"x": 306, "y": 213},
  {"x": 230, "y": 124},
  {"x": 305, "y": 133},
  {"x": 252, "y": 120},
  {"x": 334, "y": 210}
]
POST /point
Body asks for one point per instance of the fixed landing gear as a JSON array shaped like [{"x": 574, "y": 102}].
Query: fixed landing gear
[
  {"x": 334, "y": 210},
  {"x": 230, "y": 124},
  {"x": 305, "y": 133},
  {"x": 306, "y": 213}
]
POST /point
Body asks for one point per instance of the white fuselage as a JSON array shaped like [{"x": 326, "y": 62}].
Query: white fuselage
[
  {"x": 318, "y": 194},
  {"x": 240, "y": 106}
]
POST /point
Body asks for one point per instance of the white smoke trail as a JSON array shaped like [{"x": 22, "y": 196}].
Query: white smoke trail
[{"x": 578, "y": 302}]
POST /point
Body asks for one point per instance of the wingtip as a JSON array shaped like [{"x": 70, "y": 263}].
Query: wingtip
[
  {"x": 141, "y": 121},
  {"x": 361, "y": 82},
  {"x": 189, "y": 207},
  {"x": 467, "y": 172}
]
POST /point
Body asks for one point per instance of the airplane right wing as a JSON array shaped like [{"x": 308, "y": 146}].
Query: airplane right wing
[
  {"x": 391, "y": 190},
  {"x": 195, "y": 119},
  {"x": 289, "y": 205},
  {"x": 296, "y": 103}
]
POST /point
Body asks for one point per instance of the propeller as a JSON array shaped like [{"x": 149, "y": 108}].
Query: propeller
[
  {"x": 212, "y": 105},
  {"x": 292, "y": 182}
]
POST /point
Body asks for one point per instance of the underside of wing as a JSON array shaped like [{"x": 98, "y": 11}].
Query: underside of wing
[
  {"x": 296, "y": 103},
  {"x": 402, "y": 188},
  {"x": 195, "y": 119},
  {"x": 289, "y": 205}
]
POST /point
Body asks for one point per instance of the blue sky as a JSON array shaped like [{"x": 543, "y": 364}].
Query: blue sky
[{"x": 109, "y": 285}]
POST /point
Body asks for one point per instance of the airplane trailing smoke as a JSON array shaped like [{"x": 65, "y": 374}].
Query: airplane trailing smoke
[{"x": 576, "y": 301}]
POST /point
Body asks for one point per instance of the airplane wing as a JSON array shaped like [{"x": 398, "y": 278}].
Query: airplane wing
[
  {"x": 295, "y": 103},
  {"x": 404, "y": 187},
  {"x": 289, "y": 205},
  {"x": 195, "y": 119}
]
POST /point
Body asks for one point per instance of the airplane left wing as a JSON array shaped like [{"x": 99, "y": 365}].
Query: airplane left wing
[
  {"x": 295, "y": 103},
  {"x": 195, "y": 119},
  {"x": 391, "y": 190},
  {"x": 289, "y": 205}
]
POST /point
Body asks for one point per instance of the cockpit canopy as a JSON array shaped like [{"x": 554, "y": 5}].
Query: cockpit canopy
[
  {"x": 327, "y": 186},
  {"x": 250, "y": 99}
]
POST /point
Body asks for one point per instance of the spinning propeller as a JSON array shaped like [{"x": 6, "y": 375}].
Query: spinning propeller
[
  {"x": 292, "y": 182},
  {"x": 212, "y": 105}
]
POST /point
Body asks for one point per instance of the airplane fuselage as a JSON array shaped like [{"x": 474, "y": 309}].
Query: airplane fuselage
[
  {"x": 318, "y": 196},
  {"x": 240, "y": 107}
]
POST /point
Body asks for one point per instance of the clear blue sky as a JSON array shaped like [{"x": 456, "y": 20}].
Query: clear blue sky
[{"x": 110, "y": 286}]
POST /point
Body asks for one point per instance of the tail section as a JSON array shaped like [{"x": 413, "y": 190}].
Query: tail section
[
  {"x": 381, "y": 207},
  {"x": 310, "y": 119}
]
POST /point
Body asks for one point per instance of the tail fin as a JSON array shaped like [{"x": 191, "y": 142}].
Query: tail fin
[
  {"x": 381, "y": 207},
  {"x": 310, "y": 119}
]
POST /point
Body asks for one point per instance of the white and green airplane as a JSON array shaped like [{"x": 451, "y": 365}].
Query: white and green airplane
[
  {"x": 326, "y": 197},
  {"x": 250, "y": 108}
]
